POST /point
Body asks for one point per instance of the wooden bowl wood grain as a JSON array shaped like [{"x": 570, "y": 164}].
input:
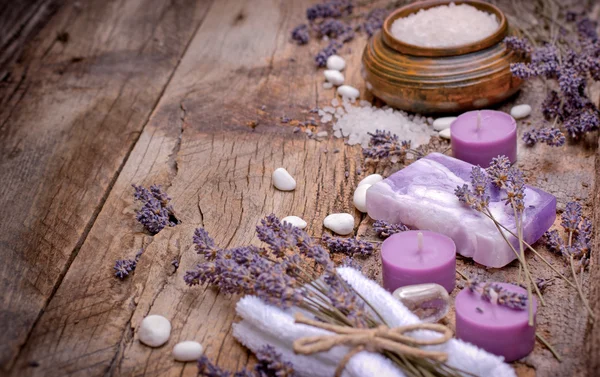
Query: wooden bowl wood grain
[{"x": 440, "y": 80}]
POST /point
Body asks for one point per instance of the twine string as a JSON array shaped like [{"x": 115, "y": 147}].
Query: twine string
[{"x": 378, "y": 339}]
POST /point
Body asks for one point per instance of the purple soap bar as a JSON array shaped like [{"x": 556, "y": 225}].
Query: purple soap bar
[{"x": 421, "y": 196}]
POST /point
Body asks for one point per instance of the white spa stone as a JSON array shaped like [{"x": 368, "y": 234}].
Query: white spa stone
[
  {"x": 520, "y": 111},
  {"x": 340, "y": 223},
  {"x": 322, "y": 134},
  {"x": 370, "y": 179},
  {"x": 327, "y": 85},
  {"x": 154, "y": 331},
  {"x": 187, "y": 351},
  {"x": 360, "y": 197},
  {"x": 348, "y": 91},
  {"x": 445, "y": 134},
  {"x": 442, "y": 123},
  {"x": 336, "y": 62},
  {"x": 282, "y": 180},
  {"x": 296, "y": 221},
  {"x": 334, "y": 77}
]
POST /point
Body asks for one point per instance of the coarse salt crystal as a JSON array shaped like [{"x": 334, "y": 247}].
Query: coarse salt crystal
[
  {"x": 445, "y": 26},
  {"x": 357, "y": 122}
]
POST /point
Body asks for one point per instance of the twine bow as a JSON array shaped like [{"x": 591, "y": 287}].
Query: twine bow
[{"x": 377, "y": 339}]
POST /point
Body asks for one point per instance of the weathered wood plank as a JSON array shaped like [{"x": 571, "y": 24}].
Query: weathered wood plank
[
  {"x": 19, "y": 21},
  {"x": 70, "y": 114},
  {"x": 218, "y": 171}
]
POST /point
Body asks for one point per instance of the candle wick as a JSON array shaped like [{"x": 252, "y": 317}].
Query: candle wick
[
  {"x": 478, "y": 120},
  {"x": 420, "y": 242},
  {"x": 493, "y": 301}
]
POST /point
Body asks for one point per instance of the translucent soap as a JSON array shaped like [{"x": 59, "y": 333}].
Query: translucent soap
[{"x": 430, "y": 302}]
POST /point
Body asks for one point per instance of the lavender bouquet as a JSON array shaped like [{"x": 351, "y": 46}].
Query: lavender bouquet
[
  {"x": 564, "y": 51},
  {"x": 293, "y": 269}
]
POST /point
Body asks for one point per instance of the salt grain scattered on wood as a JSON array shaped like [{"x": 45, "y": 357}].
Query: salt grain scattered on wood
[
  {"x": 282, "y": 180},
  {"x": 445, "y": 26},
  {"x": 340, "y": 223},
  {"x": 356, "y": 122},
  {"x": 154, "y": 330},
  {"x": 336, "y": 62}
]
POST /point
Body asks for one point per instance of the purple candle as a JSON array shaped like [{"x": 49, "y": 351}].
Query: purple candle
[
  {"x": 498, "y": 329},
  {"x": 479, "y": 136},
  {"x": 418, "y": 257}
]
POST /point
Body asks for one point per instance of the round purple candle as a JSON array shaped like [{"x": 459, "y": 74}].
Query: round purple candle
[
  {"x": 479, "y": 136},
  {"x": 418, "y": 257},
  {"x": 495, "y": 328}
]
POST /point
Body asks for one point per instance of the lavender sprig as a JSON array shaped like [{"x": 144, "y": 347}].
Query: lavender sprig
[
  {"x": 492, "y": 292},
  {"x": 155, "y": 213},
  {"x": 385, "y": 229},
  {"x": 123, "y": 267},
  {"x": 349, "y": 246},
  {"x": 384, "y": 144},
  {"x": 571, "y": 63},
  {"x": 270, "y": 364}
]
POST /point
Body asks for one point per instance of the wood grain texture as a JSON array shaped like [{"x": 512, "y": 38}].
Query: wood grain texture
[
  {"x": 19, "y": 21},
  {"x": 198, "y": 145},
  {"x": 69, "y": 116}
]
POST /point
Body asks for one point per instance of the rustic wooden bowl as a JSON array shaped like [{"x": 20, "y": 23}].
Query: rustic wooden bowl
[{"x": 440, "y": 80}]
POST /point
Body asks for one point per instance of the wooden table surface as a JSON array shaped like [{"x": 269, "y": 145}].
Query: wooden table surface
[{"x": 98, "y": 95}]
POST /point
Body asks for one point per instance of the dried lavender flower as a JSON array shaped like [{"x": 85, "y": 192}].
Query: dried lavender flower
[
  {"x": 571, "y": 217},
  {"x": 272, "y": 364},
  {"x": 331, "y": 8},
  {"x": 505, "y": 297},
  {"x": 123, "y": 267},
  {"x": 155, "y": 213},
  {"x": 349, "y": 246},
  {"x": 384, "y": 144},
  {"x": 331, "y": 49},
  {"x": 550, "y": 136},
  {"x": 385, "y": 229},
  {"x": 300, "y": 34},
  {"x": 374, "y": 21}
]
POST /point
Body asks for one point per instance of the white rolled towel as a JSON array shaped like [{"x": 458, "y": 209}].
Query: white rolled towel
[{"x": 265, "y": 324}]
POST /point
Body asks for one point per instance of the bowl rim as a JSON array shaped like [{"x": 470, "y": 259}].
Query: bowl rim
[{"x": 410, "y": 49}]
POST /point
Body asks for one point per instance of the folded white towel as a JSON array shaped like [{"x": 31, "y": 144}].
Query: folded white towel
[{"x": 264, "y": 324}]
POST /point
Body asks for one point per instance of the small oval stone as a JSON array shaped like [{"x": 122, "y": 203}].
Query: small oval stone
[
  {"x": 360, "y": 197},
  {"x": 282, "y": 180},
  {"x": 340, "y": 223},
  {"x": 348, "y": 91},
  {"x": 295, "y": 221},
  {"x": 334, "y": 77},
  {"x": 520, "y": 111},
  {"x": 187, "y": 351},
  {"x": 445, "y": 134},
  {"x": 370, "y": 179},
  {"x": 154, "y": 330},
  {"x": 429, "y": 302},
  {"x": 443, "y": 123},
  {"x": 336, "y": 62}
]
